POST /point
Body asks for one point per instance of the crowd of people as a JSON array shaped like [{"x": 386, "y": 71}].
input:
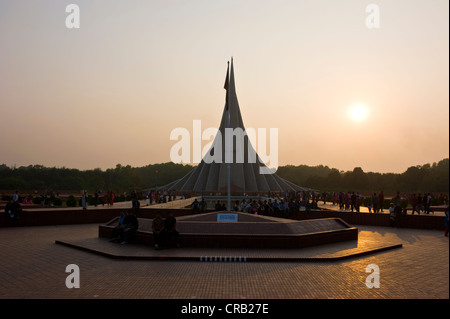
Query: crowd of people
[
  {"x": 351, "y": 201},
  {"x": 277, "y": 204},
  {"x": 30, "y": 199},
  {"x": 377, "y": 202},
  {"x": 156, "y": 196},
  {"x": 101, "y": 197},
  {"x": 108, "y": 198},
  {"x": 281, "y": 205},
  {"x": 348, "y": 201},
  {"x": 421, "y": 203}
]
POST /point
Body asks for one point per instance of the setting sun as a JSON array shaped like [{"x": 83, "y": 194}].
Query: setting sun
[{"x": 358, "y": 112}]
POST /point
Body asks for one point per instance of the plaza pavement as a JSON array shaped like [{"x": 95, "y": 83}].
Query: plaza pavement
[{"x": 33, "y": 266}]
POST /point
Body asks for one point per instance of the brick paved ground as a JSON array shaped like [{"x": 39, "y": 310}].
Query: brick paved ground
[{"x": 33, "y": 266}]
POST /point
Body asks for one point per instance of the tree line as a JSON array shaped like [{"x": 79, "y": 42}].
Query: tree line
[
  {"x": 421, "y": 178},
  {"x": 120, "y": 178}
]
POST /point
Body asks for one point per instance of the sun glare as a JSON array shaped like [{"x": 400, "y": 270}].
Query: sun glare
[{"x": 358, "y": 112}]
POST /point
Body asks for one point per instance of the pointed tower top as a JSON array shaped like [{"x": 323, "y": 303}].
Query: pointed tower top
[
  {"x": 231, "y": 103},
  {"x": 245, "y": 176}
]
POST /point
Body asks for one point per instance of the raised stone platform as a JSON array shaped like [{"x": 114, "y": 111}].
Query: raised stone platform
[
  {"x": 250, "y": 231},
  {"x": 324, "y": 253}
]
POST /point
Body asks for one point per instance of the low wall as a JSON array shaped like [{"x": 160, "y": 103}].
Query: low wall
[
  {"x": 378, "y": 219},
  {"x": 66, "y": 217},
  {"x": 71, "y": 216}
]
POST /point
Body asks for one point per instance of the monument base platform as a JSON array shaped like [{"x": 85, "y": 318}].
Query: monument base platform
[{"x": 249, "y": 231}]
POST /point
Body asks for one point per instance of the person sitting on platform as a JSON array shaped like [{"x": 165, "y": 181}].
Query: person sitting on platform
[
  {"x": 131, "y": 226},
  {"x": 118, "y": 230},
  {"x": 158, "y": 230},
  {"x": 14, "y": 209},
  {"x": 170, "y": 230},
  {"x": 9, "y": 209}
]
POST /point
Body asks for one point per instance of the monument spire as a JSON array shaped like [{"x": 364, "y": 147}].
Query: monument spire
[
  {"x": 220, "y": 176},
  {"x": 227, "y": 108}
]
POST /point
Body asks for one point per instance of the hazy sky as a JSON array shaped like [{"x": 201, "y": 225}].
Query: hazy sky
[{"x": 112, "y": 91}]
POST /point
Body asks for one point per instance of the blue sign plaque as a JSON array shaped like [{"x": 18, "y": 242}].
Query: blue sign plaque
[{"x": 229, "y": 218}]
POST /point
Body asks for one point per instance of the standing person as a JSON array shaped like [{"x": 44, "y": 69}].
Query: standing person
[
  {"x": 269, "y": 208},
  {"x": 358, "y": 202},
  {"x": 195, "y": 206},
  {"x": 375, "y": 202},
  {"x": 429, "y": 197},
  {"x": 282, "y": 206},
  {"x": 424, "y": 203},
  {"x": 341, "y": 200},
  {"x": 136, "y": 204},
  {"x": 381, "y": 201},
  {"x": 150, "y": 197},
  {"x": 276, "y": 207},
  {"x": 308, "y": 208},
  {"x": 203, "y": 206},
  {"x": 15, "y": 197},
  {"x": 218, "y": 206},
  {"x": 290, "y": 207},
  {"x": 104, "y": 199},
  {"x": 242, "y": 206},
  {"x": 235, "y": 207},
  {"x": 446, "y": 221},
  {"x": 419, "y": 204},
  {"x": 369, "y": 205},
  {"x": 398, "y": 199},
  {"x": 353, "y": 201},
  {"x": 84, "y": 200},
  {"x": 346, "y": 201},
  {"x": 414, "y": 204},
  {"x": 392, "y": 215},
  {"x": 158, "y": 230}
]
